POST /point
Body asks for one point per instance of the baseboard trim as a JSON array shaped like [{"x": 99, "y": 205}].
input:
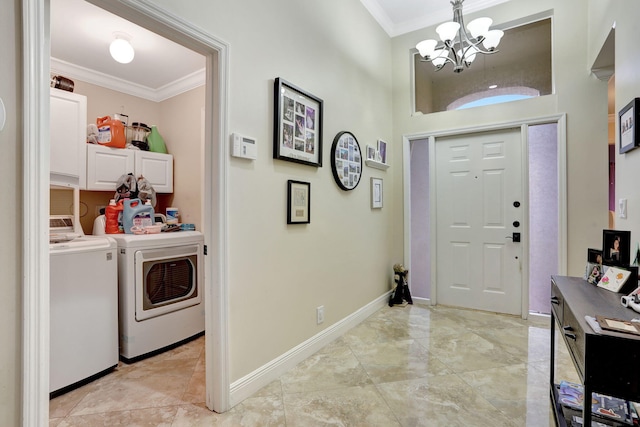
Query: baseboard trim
[{"x": 249, "y": 384}]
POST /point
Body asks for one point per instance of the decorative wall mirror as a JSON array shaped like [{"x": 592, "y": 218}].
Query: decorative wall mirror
[{"x": 346, "y": 160}]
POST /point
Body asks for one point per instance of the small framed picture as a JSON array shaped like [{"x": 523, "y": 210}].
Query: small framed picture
[
  {"x": 627, "y": 129},
  {"x": 616, "y": 247},
  {"x": 298, "y": 202},
  {"x": 371, "y": 153},
  {"x": 594, "y": 256},
  {"x": 382, "y": 151},
  {"x": 377, "y": 194}
]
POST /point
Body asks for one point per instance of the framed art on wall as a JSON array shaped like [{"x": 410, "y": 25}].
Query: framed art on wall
[
  {"x": 627, "y": 129},
  {"x": 298, "y": 202},
  {"x": 346, "y": 160},
  {"x": 297, "y": 127},
  {"x": 376, "y": 193}
]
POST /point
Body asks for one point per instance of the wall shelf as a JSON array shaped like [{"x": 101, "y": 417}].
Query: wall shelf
[{"x": 377, "y": 165}]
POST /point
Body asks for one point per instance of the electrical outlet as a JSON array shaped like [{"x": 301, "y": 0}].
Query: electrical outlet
[{"x": 320, "y": 314}]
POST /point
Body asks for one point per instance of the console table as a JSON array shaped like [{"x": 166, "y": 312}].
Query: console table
[{"x": 607, "y": 362}]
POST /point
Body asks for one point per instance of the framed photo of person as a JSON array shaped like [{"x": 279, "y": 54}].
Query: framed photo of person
[
  {"x": 297, "y": 127},
  {"x": 627, "y": 129},
  {"x": 616, "y": 247}
]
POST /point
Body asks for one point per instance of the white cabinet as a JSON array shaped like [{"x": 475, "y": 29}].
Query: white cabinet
[
  {"x": 105, "y": 165},
  {"x": 68, "y": 133}
]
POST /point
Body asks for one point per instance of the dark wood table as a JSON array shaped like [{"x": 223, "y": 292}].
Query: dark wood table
[{"x": 607, "y": 362}]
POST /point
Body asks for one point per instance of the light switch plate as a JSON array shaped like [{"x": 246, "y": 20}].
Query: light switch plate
[
  {"x": 3, "y": 114},
  {"x": 622, "y": 208}
]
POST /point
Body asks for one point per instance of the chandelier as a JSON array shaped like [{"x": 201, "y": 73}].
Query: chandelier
[{"x": 460, "y": 47}]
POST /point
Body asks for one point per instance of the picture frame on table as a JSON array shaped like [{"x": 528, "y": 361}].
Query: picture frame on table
[
  {"x": 377, "y": 194},
  {"x": 616, "y": 247},
  {"x": 627, "y": 128},
  {"x": 298, "y": 202},
  {"x": 594, "y": 256},
  {"x": 297, "y": 126}
]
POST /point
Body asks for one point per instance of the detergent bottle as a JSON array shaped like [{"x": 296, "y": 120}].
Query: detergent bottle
[
  {"x": 111, "y": 132},
  {"x": 113, "y": 217},
  {"x": 136, "y": 214}
]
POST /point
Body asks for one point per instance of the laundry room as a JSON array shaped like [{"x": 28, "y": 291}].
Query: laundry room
[{"x": 140, "y": 287}]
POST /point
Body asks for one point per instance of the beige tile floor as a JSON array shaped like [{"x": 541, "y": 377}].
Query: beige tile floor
[{"x": 403, "y": 366}]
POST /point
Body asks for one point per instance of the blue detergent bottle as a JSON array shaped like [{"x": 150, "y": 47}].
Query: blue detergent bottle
[{"x": 136, "y": 214}]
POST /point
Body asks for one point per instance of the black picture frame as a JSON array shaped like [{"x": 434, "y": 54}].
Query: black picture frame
[
  {"x": 627, "y": 129},
  {"x": 297, "y": 127},
  {"x": 594, "y": 256},
  {"x": 346, "y": 160},
  {"x": 616, "y": 247},
  {"x": 298, "y": 202}
]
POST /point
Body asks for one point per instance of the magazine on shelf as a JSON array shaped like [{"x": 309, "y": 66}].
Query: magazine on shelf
[{"x": 608, "y": 408}]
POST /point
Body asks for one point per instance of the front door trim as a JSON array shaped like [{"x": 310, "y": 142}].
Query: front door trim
[{"x": 430, "y": 137}]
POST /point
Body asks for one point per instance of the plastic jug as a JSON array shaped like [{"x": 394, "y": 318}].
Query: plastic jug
[
  {"x": 111, "y": 132},
  {"x": 113, "y": 217},
  {"x": 156, "y": 142},
  {"x": 136, "y": 214}
]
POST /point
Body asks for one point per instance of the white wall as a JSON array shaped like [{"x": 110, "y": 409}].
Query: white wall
[
  {"x": 624, "y": 13},
  {"x": 11, "y": 194},
  {"x": 279, "y": 274},
  {"x": 577, "y": 93}
]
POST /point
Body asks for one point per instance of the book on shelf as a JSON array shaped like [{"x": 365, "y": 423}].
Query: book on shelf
[{"x": 603, "y": 408}]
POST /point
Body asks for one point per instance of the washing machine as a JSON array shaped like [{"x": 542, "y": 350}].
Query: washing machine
[
  {"x": 83, "y": 305},
  {"x": 161, "y": 297}
]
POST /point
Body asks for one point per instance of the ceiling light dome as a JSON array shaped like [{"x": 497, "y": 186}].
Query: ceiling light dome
[{"x": 121, "y": 50}]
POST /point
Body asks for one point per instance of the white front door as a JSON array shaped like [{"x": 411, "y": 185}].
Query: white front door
[{"x": 479, "y": 205}]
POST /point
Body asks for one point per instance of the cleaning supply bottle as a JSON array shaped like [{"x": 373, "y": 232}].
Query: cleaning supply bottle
[
  {"x": 136, "y": 214},
  {"x": 113, "y": 217},
  {"x": 111, "y": 132},
  {"x": 155, "y": 141}
]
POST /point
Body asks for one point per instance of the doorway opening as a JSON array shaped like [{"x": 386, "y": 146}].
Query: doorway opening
[{"x": 36, "y": 166}]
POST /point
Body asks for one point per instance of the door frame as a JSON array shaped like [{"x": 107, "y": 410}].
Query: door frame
[
  {"x": 559, "y": 119},
  {"x": 35, "y": 206}
]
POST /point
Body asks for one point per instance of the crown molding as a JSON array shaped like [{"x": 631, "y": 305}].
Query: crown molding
[{"x": 184, "y": 84}]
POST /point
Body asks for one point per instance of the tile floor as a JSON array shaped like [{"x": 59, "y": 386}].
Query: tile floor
[{"x": 403, "y": 366}]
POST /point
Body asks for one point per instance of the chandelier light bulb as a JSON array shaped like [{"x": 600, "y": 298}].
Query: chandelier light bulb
[
  {"x": 426, "y": 48},
  {"x": 440, "y": 57},
  {"x": 447, "y": 31},
  {"x": 479, "y": 27},
  {"x": 492, "y": 39},
  {"x": 121, "y": 50}
]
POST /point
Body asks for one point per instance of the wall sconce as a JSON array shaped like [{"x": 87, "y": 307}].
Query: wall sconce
[{"x": 120, "y": 49}]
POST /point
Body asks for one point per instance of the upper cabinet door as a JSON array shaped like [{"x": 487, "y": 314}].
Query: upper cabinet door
[
  {"x": 68, "y": 131},
  {"x": 157, "y": 168},
  {"x": 105, "y": 165}
]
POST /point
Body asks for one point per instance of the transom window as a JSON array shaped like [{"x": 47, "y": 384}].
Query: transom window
[{"x": 521, "y": 70}]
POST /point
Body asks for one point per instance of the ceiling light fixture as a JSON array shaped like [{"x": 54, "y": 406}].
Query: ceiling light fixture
[
  {"x": 460, "y": 47},
  {"x": 121, "y": 49}
]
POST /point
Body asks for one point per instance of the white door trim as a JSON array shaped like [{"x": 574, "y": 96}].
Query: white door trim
[
  {"x": 559, "y": 119},
  {"x": 35, "y": 329}
]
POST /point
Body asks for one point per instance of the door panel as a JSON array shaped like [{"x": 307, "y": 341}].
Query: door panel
[{"x": 478, "y": 179}]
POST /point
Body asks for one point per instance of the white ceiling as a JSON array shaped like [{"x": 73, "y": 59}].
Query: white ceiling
[
  {"x": 402, "y": 16},
  {"x": 81, "y": 34}
]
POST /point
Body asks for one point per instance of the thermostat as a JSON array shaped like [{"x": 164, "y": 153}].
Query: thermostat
[{"x": 244, "y": 146}]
